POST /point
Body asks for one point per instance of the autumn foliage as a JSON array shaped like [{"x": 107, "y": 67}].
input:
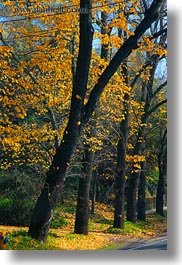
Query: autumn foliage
[{"x": 41, "y": 44}]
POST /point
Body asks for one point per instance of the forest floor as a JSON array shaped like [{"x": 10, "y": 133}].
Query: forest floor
[{"x": 102, "y": 236}]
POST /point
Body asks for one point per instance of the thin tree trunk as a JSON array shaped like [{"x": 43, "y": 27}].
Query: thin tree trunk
[
  {"x": 133, "y": 184},
  {"x": 119, "y": 202},
  {"x": 162, "y": 163},
  {"x": 94, "y": 187},
  {"x": 141, "y": 194},
  {"x": 108, "y": 191},
  {"x": 160, "y": 194},
  {"x": 121, "y": 157},
  {"x": 83, "y": 208},
  {"x": 121, "y": 168}
]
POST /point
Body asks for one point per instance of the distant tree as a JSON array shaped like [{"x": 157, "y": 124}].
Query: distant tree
[{"x": 162, "y": 164}]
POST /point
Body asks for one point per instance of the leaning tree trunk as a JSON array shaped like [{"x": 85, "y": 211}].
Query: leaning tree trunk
[
  {"x": 46, "y": 203},
  {"x": 83, "y": 207}
]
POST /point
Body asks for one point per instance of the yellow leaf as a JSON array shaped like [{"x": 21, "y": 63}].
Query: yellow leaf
[{"x": 78, "y": 97}]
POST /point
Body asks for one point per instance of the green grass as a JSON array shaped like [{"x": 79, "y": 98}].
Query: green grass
[
  {"x": 113, "y": 230},
  {"x": 104, "y": 221},
  {"x": 68, "y": 207},
  {"x": 140, "y": 227},
  {"x": 58, "y": 222},
  {"x": 21, "y": 241},
  {"x": 111, "y": 247},
  {"x": 98, "y": 225}
]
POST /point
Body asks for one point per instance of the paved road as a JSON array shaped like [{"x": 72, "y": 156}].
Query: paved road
[{"x": 159, "y": 243}]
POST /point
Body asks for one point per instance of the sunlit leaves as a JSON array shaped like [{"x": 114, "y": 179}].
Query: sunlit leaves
[{"x": 37, "y": 60}]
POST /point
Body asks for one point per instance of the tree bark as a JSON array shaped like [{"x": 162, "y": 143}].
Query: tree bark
[
  {"x": 141, "y": 194},
  {"x": 133, "y": 184},
  {"x": 94, "y": 186},
  {"x": 119, "y": 200},
  {"x": 162, "y": 163},
  {"x": 83, "y": 208},
  {"x": 121, "y": 167}
]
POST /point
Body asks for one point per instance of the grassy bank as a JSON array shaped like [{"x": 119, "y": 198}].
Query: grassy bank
[{"x": 101, "y": 233}]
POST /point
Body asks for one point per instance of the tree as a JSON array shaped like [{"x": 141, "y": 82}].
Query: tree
[
  {"x": 121, "y": 160},
  {"x": 162, "y": 163},
  {"x": 83, "y": 207},
  {"x": 142, "y": 194}
]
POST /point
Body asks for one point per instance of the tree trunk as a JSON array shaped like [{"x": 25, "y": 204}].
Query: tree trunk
[
  {"x": 133, "y": 184},
  {"x": 83, "y": 208},
  {"x": 162, "y": 162},
  {"x": 94, "y": 186},
  {"x": 121, "y": 166},
  {"x": 131, "y": 200},
  {"x": 46, "y": 203},
  {"x": 160, "y": 194},
  {"x": 141, "y": 194},
  {"x": 119, "y": 201},
  {"x": 43, "y": 211}
]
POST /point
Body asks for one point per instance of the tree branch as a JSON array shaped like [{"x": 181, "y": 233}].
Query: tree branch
[
  {"x": 159, "y": 89},
  {"x": 123, "y": 52},
  {"x": 159, "y": 33},
  {"x": 155, "y": 107}
]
